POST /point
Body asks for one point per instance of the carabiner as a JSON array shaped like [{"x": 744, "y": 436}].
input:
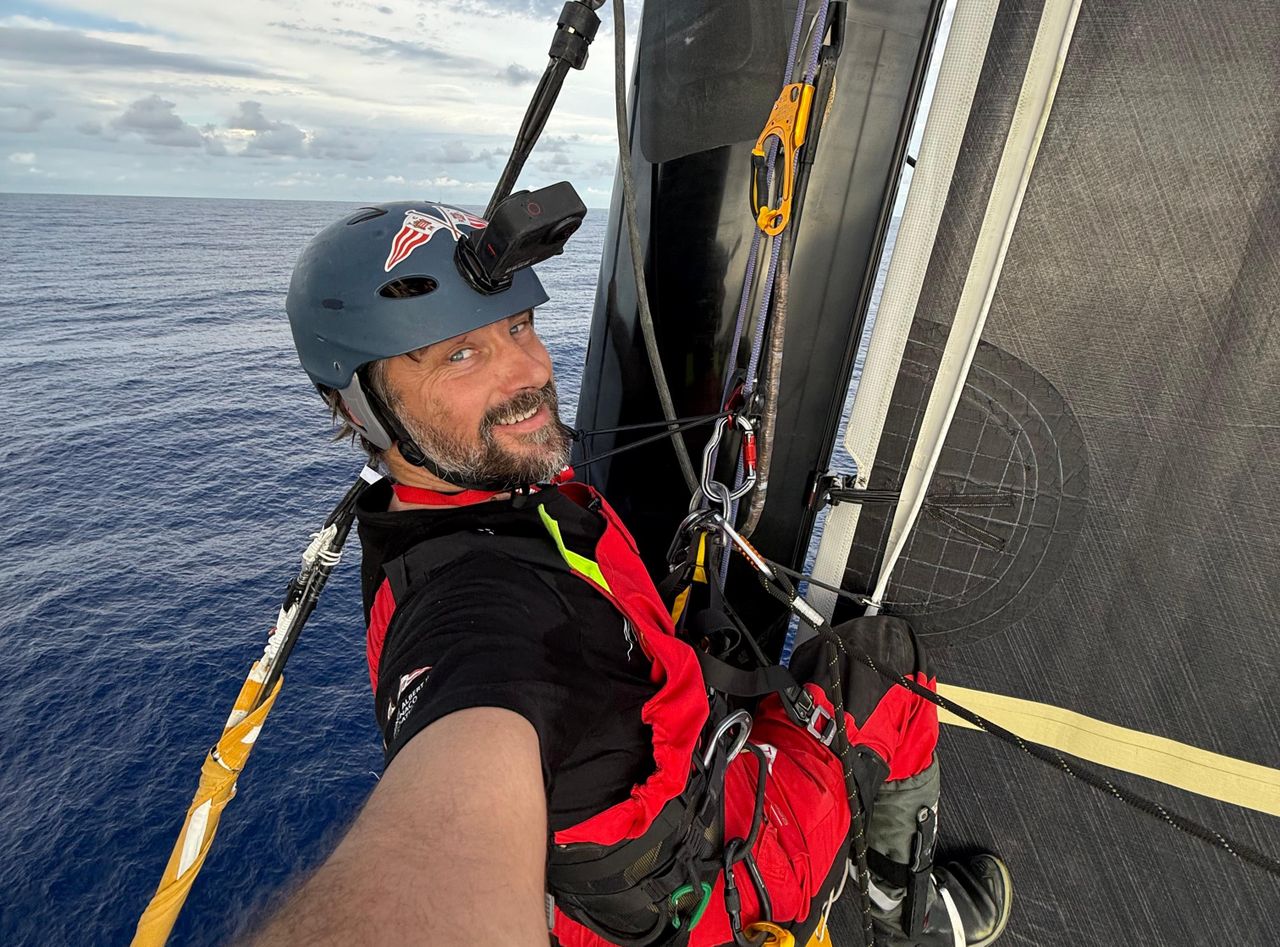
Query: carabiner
[
  {"x": 788, "y": 123},
  {"x": 714, "y": 490},
  {"x": 739, "y": 719},
  {"x": 774, "y": 936}
]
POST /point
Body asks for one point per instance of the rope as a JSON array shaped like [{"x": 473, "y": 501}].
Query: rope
[
  {"x": 818, "y": 29},
  {"x": 1236, "y": 849},
  {"x": 679, "y": 426},
  {"x": 633, "y": 238}
]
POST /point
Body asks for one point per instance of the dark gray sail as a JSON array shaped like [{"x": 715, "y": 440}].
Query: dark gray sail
[{"x": 1101, "y": 532}]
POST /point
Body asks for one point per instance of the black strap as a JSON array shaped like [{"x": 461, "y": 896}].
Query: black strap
[
  {"x": 724, "y": 677},
  {"x": 888, "y": 870}
]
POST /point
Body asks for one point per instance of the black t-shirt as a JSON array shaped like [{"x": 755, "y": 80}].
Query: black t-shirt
[{"x": 489, "y": 630}]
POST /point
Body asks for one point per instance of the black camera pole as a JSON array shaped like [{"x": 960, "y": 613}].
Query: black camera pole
[{"x": 574, "y": 32}]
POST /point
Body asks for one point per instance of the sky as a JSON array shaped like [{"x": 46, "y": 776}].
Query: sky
[{"x": 305, "y": 99}]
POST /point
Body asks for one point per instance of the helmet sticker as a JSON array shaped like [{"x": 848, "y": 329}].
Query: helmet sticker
[{"x": 420, "y": 226}]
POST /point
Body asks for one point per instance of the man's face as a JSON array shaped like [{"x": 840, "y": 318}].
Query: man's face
[{"x": 483, "y": 404}]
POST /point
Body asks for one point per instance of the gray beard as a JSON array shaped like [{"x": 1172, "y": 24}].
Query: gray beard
[{"x": 488, "y": 461}]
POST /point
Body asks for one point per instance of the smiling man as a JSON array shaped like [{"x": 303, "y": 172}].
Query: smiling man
[{"x": 550, "y": 767}]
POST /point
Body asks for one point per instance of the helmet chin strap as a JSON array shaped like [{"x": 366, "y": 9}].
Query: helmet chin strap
[{"x": 415, "y": 455}]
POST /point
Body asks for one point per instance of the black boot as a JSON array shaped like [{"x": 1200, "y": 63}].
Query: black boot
[
  {"x": 968, "y": 906},
  {"x": 964, "y": 903}
]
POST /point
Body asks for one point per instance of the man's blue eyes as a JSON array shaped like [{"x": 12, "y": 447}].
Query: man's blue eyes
[{"x": 519, "y": 327}]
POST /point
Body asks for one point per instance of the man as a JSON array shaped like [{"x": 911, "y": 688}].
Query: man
[{"x": 548, "y": 768}]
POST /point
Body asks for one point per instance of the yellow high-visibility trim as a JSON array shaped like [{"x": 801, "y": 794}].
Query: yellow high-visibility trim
[
  {"x": 576, "y": 562},
  {"x": 1224, "y": 778}
]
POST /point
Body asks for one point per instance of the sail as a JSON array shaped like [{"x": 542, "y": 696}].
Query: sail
[{"x": 1095, "y": 552}]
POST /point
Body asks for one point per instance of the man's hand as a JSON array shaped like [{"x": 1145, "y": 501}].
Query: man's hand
[{"x": 450, "y": 848}]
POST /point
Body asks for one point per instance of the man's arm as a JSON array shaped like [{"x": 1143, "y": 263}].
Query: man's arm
[{"x": 450, "y": 848}]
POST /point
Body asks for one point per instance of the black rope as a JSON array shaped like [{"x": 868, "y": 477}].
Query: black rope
[
  {"x": 1152, "y": 808},
  {"x": 581, "y": 435},
  {"x": 673, "y": 427},
  {"x": 801, "y": 577}
]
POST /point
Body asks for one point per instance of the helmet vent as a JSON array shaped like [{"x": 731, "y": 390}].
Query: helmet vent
[
  {"x": 365, "y": 213},
  {"x": 408, "y": 287}
]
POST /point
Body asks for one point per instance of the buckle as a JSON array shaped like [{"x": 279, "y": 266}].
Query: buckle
[{"x": 813, "y": 725}]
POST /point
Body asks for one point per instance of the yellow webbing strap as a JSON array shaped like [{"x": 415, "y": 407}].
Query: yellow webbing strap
[
  {"x": 699, "y": 575},
  {"x": 1224, "y": 778},
  {"x": 587, "y": 567},
  {"x": 216, "y": 789}
]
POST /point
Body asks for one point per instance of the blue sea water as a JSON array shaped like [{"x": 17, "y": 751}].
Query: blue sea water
[{"x": 165, "y": 462}]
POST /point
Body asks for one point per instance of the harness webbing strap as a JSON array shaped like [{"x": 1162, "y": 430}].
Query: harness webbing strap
[{"x": 737, "y": 682}]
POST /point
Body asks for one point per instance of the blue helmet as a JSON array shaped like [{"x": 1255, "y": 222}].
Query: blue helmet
[{"x": 381, "y": 282}]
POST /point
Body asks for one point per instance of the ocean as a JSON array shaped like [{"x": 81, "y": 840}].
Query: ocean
[{"x": 167, "y": 463}]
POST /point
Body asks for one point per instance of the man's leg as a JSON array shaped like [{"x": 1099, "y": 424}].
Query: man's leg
[{"x": 961, "y": 904}]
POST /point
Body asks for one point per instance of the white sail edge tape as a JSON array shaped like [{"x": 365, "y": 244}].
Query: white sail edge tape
[
  {"x": 958, "y": 73},
  {"x": 1022, "y": 145}
]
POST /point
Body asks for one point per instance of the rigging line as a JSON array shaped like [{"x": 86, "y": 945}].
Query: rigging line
[
  {"x": 1244, "y": 853},
  {"x": 633, "y": 238},
  {"x": 771, "y": 384},
  {"x": 671, "y": 432},
  {"x": 779, "y": 589},
  {"x": 801, "y": 577},
  {"x": 748, "y": 280},
  {"x": 773, "y": 277},
  {"x": 581, "y": 435}
]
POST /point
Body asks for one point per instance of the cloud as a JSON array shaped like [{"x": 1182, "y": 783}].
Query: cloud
[
  {"x": 339, "y": 146},
  {"x": 454, "y": 151},
  {"x": 249, "y": 117},
  {"x": 382, "y": 46},
  {"x": 270, "y": 137},
  {"x": 23, "y": 119},
  {"x": 516, "y": 74},
  {"x": 280, "y": 138},
  {"x": 155, "y": 121},
  {"x": 73, "y": 50},
  {"x": 22, "y": 157},
  {"x": 556, "y": 144}
]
